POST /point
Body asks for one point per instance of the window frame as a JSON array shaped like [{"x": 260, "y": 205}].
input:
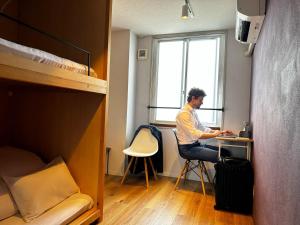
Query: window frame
[{"x": 187, "y": 37}]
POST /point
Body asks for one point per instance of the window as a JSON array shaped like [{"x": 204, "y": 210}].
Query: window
[{"x": 183, "y": 63}]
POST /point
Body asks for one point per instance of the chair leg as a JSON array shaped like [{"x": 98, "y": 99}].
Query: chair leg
[
  {"x": 181, "y": 173},
  {"x": 146, "y": 173},
  {"x": 153, "y": 170},
  {"x": 206, "y": 173},
  {"x": 201, "y": 178},
  {"x": 186, "y": 172},
  {"x": 127, "y": 170},
  {"x": 134, "y": 166}
]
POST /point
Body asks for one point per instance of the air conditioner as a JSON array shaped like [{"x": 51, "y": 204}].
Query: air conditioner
[{"x": 249, "y": 19}]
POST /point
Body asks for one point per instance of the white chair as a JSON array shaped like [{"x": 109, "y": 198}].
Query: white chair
[{"x": 144, "y": 146}]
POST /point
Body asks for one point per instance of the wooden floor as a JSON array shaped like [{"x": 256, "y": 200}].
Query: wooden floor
[{"x": 132, "y": 204}]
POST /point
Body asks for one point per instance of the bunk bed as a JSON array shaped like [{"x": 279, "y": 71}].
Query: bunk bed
[
  {"x": 21, "y": 63},
  {"x": 53, "y": 107}
]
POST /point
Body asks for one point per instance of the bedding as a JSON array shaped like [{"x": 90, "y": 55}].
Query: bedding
[
  {"x": 7, "y": 205},
  {"x": 61, "y": 214},
  {"x": 54, "y": 183},
  {"x": 43, "y": 57},
  {"x": 60, "y": 190},
  {"x": 18, "y": 162},
  {"x": 14, "y": 162}
]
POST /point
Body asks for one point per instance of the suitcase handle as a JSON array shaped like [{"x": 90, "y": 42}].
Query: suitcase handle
[{"x": 233, "y": 161}]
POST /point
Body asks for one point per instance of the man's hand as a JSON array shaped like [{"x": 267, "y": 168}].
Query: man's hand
[
  {"x": 229, "y": 132},
  {"x": 217, "y": 132}
]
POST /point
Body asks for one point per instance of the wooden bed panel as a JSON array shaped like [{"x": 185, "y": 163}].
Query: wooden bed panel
[
  {"x": 9, "y": 30},
  {"x": 101, "y": 171},
  {"x": 52, "y": 121},
  {"x": 105, "y": 63},
  {"x": 57, "y": 122},
  {"x": 4, "y": 116},
  {"x": 85, "y": 23},
  {"x": 27, "y": 71}
]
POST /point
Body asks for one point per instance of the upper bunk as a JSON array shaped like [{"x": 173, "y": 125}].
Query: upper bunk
[{"x": 20, "y": 64}]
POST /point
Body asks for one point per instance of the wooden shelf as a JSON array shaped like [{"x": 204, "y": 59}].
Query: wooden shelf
[{"x": 25, "y": 70}]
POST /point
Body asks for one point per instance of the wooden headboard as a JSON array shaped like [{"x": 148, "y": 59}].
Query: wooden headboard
[{"x": 58, "y": 122}]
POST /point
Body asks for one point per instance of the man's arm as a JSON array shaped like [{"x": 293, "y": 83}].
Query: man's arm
[
  {"x": 184, "y": 120},
  {"x": 215, "y": 133},
  {"x": 212, "y": 134}
]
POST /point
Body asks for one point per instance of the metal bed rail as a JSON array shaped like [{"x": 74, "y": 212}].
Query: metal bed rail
[{"x": 65, "y": 42}]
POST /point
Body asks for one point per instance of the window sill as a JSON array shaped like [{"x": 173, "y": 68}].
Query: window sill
[{"x": 165, "y": 125}]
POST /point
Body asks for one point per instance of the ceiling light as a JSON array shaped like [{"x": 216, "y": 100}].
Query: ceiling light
[{"x": 187, "y": 10}]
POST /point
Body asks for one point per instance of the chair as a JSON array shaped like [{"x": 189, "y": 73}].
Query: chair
[
  {"x": 144, "y": 146},
  {"x": 190, "y": 166}
]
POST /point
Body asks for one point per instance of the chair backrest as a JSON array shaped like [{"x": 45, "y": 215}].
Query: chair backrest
[
  {"x": 144, "y": 142},
  {"x": 174, "y": 131}
]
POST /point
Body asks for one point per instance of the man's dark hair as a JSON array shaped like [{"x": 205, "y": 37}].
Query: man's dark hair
[{"x": 196, "y": 92}]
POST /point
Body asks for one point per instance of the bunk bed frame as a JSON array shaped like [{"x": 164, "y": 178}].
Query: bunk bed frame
[
  {"x": 53, "y": 112},
  {"x": 67, "y": 43},
  {"x": 26, "y": 70}
]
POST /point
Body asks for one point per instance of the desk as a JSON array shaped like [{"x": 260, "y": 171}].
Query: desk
[{"x": 222, "y": 142}]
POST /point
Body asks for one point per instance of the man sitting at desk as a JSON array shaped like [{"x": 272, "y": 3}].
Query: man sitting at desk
[{"x": 190, "y": 130}]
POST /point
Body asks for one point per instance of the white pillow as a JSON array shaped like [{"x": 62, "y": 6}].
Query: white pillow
[
  {"x": 37, "y": 192},
  {"x": 18, "y": 162},
  {"x": 7, "y": 205},
  {"x": 14, "y": 162}
]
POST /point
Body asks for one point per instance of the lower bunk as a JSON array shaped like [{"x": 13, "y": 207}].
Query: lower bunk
[{"x": 33, "y": 192}]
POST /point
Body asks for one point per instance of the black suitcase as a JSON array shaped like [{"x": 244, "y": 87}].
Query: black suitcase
[{"x": 234, "y": 185}]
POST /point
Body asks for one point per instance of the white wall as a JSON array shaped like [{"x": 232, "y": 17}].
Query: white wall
[
  {"x": 143, "y": 83},
  {"x": 121, "y": 97},
  {"x": 237, "y": 84},
  {"x": 236, "y": 102},
  {"x": 130, "y": 128}
]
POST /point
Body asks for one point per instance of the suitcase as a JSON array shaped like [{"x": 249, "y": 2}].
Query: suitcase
[{"x": 234, "y": 185}]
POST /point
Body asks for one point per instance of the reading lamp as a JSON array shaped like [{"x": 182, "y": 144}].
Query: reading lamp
[{"x": 187, "y": 10}]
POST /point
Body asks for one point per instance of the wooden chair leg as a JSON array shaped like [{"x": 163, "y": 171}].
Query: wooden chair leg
[
  {"x": 206, "y": 173},
  {"x": 153, "y": 170},
  {"x": 181, "y": 173},
  {"x": 201, "y": 178},
  {"x": 134, "y": 166},
  {"x": 186, "y": 172},
  {"x": 146, "y": 173},
  {"x": 127, "y": 170}
]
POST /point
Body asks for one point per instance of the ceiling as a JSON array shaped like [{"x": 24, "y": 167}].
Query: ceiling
[{"x": 149, "y": 17}]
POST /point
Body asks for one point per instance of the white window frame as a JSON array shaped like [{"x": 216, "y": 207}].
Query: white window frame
[{"x": 154, "y": 73}]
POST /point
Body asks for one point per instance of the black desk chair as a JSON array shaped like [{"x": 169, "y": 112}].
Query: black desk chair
[{"x": 190, "y": 166}]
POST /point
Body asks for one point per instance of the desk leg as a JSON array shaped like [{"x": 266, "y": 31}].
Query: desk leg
[
  {"x": 219, "y": 152},
  {"x": 249, "y": 151}
]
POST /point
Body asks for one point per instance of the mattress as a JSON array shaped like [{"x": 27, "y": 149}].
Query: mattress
[
  {"x": 43, "y": 57},
  {"x": 62, "y": 213}
]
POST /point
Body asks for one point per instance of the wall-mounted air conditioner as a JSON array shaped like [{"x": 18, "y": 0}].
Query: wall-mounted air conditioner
[{"x": 250, "y": 15}]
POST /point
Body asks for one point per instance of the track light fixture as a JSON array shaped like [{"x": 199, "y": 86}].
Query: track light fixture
[{"x": 187, "y": 11}]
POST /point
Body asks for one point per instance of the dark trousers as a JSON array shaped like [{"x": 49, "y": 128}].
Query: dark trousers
[{"x": 203, "y": 152}]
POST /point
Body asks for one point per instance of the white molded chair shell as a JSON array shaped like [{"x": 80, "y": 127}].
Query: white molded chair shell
[{"x": 144, "y": 144}]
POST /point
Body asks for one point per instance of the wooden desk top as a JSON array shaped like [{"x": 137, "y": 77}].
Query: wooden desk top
[{"x": 236, "y": 139}]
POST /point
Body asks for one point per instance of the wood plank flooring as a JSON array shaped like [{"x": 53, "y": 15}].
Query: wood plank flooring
[{"x": 132, "y": 204}]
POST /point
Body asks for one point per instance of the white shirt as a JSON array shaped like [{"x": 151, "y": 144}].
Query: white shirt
[{"x": 189, "y": 128}]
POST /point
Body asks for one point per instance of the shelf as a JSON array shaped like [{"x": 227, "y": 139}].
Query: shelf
[{"x": 25, "y": 70}]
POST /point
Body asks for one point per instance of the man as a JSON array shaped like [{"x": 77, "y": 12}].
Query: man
[{"x": 190, "y": 130}]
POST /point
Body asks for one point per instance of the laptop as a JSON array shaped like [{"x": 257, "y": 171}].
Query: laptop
[{"x": 228, "y": 135}]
